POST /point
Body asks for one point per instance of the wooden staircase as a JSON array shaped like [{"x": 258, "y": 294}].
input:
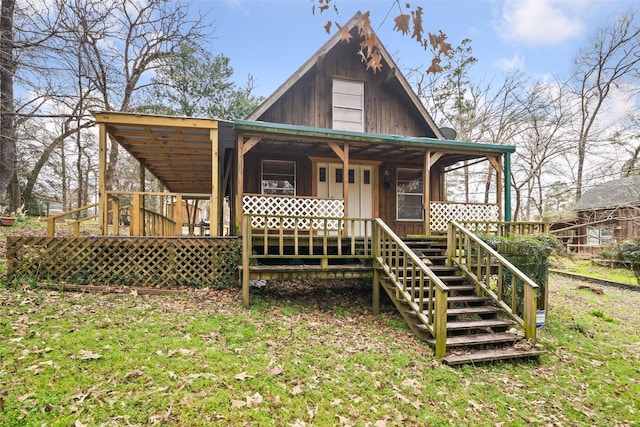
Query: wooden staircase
[{"x": 478, "y": 331}]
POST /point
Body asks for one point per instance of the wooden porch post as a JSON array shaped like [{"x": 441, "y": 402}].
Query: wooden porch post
[
  {"x": 103, "y": 204},
  {"x": 497, "y": 165},
  {"x": 426, "y": 189},
  {"x": 177, "y": 214},
  {"x": 507, "y": 187},
  {"x": 345, "y": 180},
  {"x": 239, "y": 181},
  {"x": 214, "y": 204},
  {"x": 142, "y": 185}
]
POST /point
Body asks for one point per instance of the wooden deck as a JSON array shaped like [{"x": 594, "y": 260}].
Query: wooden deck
[{"x": 442, "y": 302}]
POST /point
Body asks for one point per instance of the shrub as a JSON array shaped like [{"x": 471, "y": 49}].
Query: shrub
[{"x": 627, "y": 252}]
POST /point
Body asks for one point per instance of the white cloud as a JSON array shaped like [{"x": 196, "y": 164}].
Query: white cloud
[
  {"x": 516, "y": 62},
  {"x": 541, "y": 22}
]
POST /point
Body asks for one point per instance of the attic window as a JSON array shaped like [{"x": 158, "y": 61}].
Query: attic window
[{"x": 348, "y": 105}]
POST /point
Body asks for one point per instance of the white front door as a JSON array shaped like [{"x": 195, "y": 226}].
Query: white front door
[{"x": 330, "y": 177}]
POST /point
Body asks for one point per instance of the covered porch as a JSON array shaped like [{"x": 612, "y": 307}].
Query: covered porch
[{"x": 401, "y": 180}]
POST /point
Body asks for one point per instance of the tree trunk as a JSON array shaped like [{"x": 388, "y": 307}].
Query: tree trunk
[{"x": 7, "y": 113}]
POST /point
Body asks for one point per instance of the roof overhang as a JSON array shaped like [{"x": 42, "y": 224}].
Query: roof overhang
[{"x": 369, "y": 145}]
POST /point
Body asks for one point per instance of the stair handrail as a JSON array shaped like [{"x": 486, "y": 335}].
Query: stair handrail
[
  {"x": 459, "y": 245},
  {"x": 432, "y": 294}
]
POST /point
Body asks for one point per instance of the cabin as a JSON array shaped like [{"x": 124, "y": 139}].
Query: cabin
[
  {"x": 605, "y": 215},
  {"x": 340, "y": 173}
]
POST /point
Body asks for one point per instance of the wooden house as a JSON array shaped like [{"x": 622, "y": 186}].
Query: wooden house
[
  {"x": 606, "y": 214},
  {"x": 340, "y": 173}
]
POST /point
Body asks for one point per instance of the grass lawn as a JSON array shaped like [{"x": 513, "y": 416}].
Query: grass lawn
[
  {"x": 588, "y": 268},
  {"x": 301, "y": 355}
]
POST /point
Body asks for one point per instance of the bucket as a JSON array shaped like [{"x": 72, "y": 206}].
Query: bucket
[{"x": 540, "y": 316}]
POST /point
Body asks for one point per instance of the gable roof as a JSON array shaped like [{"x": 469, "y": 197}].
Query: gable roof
[
  {"x": 612, "y": 194},
  {"x": 320, "y": 54}
]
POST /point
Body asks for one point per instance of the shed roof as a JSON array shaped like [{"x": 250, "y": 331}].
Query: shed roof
[
  {"x": 176, "y": 150},
  {"x": 612, "y": 194}
]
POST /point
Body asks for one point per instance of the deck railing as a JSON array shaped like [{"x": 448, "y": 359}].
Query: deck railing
[
  {"x": 506, "y": 229},
  {"x": 494, "y": 276},
  {"x": 306, "y": 237},
  {"x": 441, "y": 213},
  {"x": 414, "y": 282}
]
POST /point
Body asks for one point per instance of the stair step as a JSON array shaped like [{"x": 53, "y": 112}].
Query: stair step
[
  {"x": 467, "y": 299},
  {"x": 461, "y": 299},
  {"x": 491, "y": 355},
  {"x": 478, "y": 324},
  {"x": 482, "y": 309},
  {"x": 478, "y": 339}
]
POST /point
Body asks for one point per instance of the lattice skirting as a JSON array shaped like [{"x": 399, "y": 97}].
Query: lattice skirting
[{"x": 158, "y": 262}]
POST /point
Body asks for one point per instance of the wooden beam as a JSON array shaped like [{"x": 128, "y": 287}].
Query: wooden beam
[
  {"x": 240, "y": 183},
  {"x": 435, "y": 157},
  {"x": 115, "y": 118},
  {"x": 426, "y": 190},
  {"x": 336, "y": 149},
  {"x": 103, "y": 210},
  {"x": 214, "y": 205},
  {"x": 345, "y": 179},
  {"x": 252, "y": 142}
]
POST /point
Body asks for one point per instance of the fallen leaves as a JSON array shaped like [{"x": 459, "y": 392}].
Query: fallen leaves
[{"x": 87, "y": 355}]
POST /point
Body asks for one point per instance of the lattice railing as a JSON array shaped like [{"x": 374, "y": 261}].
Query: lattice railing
[
  {"x": 152, "y": 261},
  {"x": 271, "y": 207},
  {"x": 442, "y": 213}
]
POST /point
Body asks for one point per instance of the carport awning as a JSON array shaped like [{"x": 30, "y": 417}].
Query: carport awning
[{"x": 176, "y": 150}]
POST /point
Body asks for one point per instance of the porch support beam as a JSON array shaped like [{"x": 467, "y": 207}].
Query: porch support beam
[
  {"x": 214, "y": 204},
  {"x": 345, "y": 179},
  {"x": 336, "y": 149},
  {"x": 103, "y": 208},
  {"x": 142, "y": 188},
  {"x": 426, "y": 189},
  {"x": 252, "y": 142},
  {"x": 507, "y": 187},
  {"x": 240, "y": 181},
  {"x": 496, "y": 163}
]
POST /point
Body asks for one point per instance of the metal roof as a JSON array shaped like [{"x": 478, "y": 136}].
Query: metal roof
[
  {"x": 612, "y": 194},
  {"x": 375, "y": 146}
]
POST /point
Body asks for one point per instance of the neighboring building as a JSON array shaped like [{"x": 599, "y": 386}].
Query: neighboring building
[{"x": 607, "y": 214}]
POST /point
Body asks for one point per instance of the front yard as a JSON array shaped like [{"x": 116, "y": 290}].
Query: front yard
[{"x": 301, "y": 355}]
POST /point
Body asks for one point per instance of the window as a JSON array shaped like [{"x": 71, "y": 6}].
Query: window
[
  {"x": 278, "y": 177},
  {"x": 348, "y": 105},
  {"x": 409, "y": 193},
  {"x": 600, "y": 236}
]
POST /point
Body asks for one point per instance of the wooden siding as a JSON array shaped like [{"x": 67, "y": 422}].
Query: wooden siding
[{"x": 309, "y": 102}]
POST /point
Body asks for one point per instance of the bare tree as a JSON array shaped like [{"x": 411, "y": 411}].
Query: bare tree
[
  {"x": 611, "y": 58},
  {"x": 122, "y": 41},
  {"x": 542, "y": 141},
  {"x": 7, "y": 111}
]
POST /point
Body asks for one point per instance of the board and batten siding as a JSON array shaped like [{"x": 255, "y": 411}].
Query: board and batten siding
[{"x": 309, "y": 101}]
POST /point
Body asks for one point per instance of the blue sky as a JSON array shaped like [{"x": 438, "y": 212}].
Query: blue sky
[{"x": 270, "y": 39}]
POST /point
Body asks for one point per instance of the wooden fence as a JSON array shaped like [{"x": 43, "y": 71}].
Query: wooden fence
[{"x": 158, "y": 262}]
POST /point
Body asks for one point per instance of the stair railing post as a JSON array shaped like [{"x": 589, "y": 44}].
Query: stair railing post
[
  {"x": 451, "y": 247},
  {"x": 440, "y": 322},
  {"x": 530, "y": 305},
  {"x": 375, "y": 250}
]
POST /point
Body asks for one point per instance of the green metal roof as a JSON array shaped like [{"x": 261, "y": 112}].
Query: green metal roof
[{"x": 349, "y": 136}]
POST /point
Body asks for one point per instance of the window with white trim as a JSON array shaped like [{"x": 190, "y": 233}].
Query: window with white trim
[
  {"x": 409, "y": 195},
  {"x": 279, "y": 177},
  {"x": 600, "y": 235},
  {"x": 348, "y": 105}
]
